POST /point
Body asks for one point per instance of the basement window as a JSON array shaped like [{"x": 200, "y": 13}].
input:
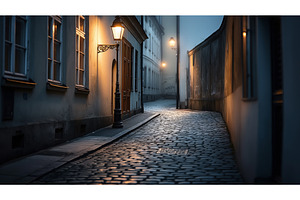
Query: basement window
[{"x": 18, "y": 140}]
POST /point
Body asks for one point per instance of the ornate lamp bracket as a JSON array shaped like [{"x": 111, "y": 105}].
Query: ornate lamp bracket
[{"x": 104, "y": 47}]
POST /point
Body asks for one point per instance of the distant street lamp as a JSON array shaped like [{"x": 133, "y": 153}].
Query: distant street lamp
[
  {"x": 172, "y": 43},
  {"x": 163, "y": 64},
  {"x": 117, "y": 31}
]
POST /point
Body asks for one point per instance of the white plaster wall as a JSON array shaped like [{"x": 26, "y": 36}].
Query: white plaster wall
[
  {"x": 152, "y": 56},
  {"x": 169, "y": 57}
]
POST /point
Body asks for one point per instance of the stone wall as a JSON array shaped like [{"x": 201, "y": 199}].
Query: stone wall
[{"x": 207, "y": 73}]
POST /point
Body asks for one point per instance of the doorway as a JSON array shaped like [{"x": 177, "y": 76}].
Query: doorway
[{"x": 126, "y": 75}]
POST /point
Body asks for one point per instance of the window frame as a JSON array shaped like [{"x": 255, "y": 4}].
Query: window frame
[
  {"x": 149, "y": 78},
  {"x": 150, "y": 42},
  {"x": 145, "y": 77},
  {"x": 11, "y": 73},
  {"x": 78, "y": 35},
  {"x": 51, "y": 77},
  {"x": 136, "y": 70},
  {"x": 146, "y": 42}
]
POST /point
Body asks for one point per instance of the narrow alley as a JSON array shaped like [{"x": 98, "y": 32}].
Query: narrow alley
[{"x": 177, "y": 147}]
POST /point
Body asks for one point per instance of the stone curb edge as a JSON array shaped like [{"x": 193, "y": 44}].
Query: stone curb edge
[{"x": 115, "y": 138}]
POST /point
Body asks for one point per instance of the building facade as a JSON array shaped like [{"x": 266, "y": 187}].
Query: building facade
[
  {"x": 248, "y": 70},
  {"x": 152, "y": 58},
  {"x": 187, "y": 31},
  {"x": 55, "y": 86},
  {"x": 169, "y": 72}
]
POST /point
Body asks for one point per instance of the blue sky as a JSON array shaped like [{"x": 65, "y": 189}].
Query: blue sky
[{"x": 195, "y": 29}]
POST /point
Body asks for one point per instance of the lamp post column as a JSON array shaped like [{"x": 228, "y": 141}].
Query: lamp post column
[{"x": 117, "y": 112}]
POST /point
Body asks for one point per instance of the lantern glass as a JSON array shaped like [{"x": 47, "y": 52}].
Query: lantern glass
[
  {"x": 172, "y": 42},
  {"x": 118, "y": 31}
]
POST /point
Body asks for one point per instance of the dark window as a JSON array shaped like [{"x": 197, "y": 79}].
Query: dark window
[
  {"x": 132, "y": 67},
  {"x": 145, "y": 77},
  {"x": 15, "y": 45},
  {"x": 136, "y": 70}
]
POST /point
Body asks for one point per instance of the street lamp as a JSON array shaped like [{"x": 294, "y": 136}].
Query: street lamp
[
  {"x": 117, "y": 31},
  {"x": 172, "y": 43}
]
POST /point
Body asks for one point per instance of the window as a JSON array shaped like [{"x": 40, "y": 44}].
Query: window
[
  {"x": 152, "y": 85},
  {"x": 156, "y": 81},
  {"x": 249, "y": 61},
  {"x": 54, "y": 49},
  {"x": 15, "y": 46},
  {"x": 146, "y": 42},
  {"x": 150, "y": 42},
  {"x": 131, "y": 68},
  {"x": 136, "y": 70},
  {"x": 149, "y": 78},
  {"x": 80, "y": 51},
  {"x": 145, "y": 77}
]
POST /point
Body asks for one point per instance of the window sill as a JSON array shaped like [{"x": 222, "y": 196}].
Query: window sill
[
  {"x": 18, "y": 83},
  {"x": 81, "y": 90},
  {"x": 56, "y": 87}
]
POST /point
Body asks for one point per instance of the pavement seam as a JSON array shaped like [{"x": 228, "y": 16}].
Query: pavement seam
[{"x": 114, "y": 139}]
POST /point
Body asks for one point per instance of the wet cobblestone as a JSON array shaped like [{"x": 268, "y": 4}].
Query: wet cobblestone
[{"x": 178, "y": 147}]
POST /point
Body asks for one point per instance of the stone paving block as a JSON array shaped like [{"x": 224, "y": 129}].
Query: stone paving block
[
  {"x": 167, "y": 183},
  {"x": 148, "y": 182},
  {"x": 130, "y": 182},
  {"x": 120, "y": 179},
  {"x": 178, "y": 147},
  {"x": 138, "y": 177},
  {"x": 113, "y": 182}
]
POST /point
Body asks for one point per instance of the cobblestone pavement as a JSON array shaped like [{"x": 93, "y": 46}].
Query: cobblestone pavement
[{"x": 178, "y": 147}]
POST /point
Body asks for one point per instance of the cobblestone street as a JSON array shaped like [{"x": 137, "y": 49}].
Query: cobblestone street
[{"x": 177, "y": 147}]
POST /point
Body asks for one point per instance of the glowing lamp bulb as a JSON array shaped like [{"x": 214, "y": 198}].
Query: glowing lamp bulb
[
  {"x": 117, "y": 29},
  {"x": 172, "y": 42}
]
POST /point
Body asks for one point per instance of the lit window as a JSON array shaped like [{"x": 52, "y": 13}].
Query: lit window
[
  {"x": 15, "y": 46},
  {"x": 54, "y": 48},
  {"x": 80, "y": 51}
]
